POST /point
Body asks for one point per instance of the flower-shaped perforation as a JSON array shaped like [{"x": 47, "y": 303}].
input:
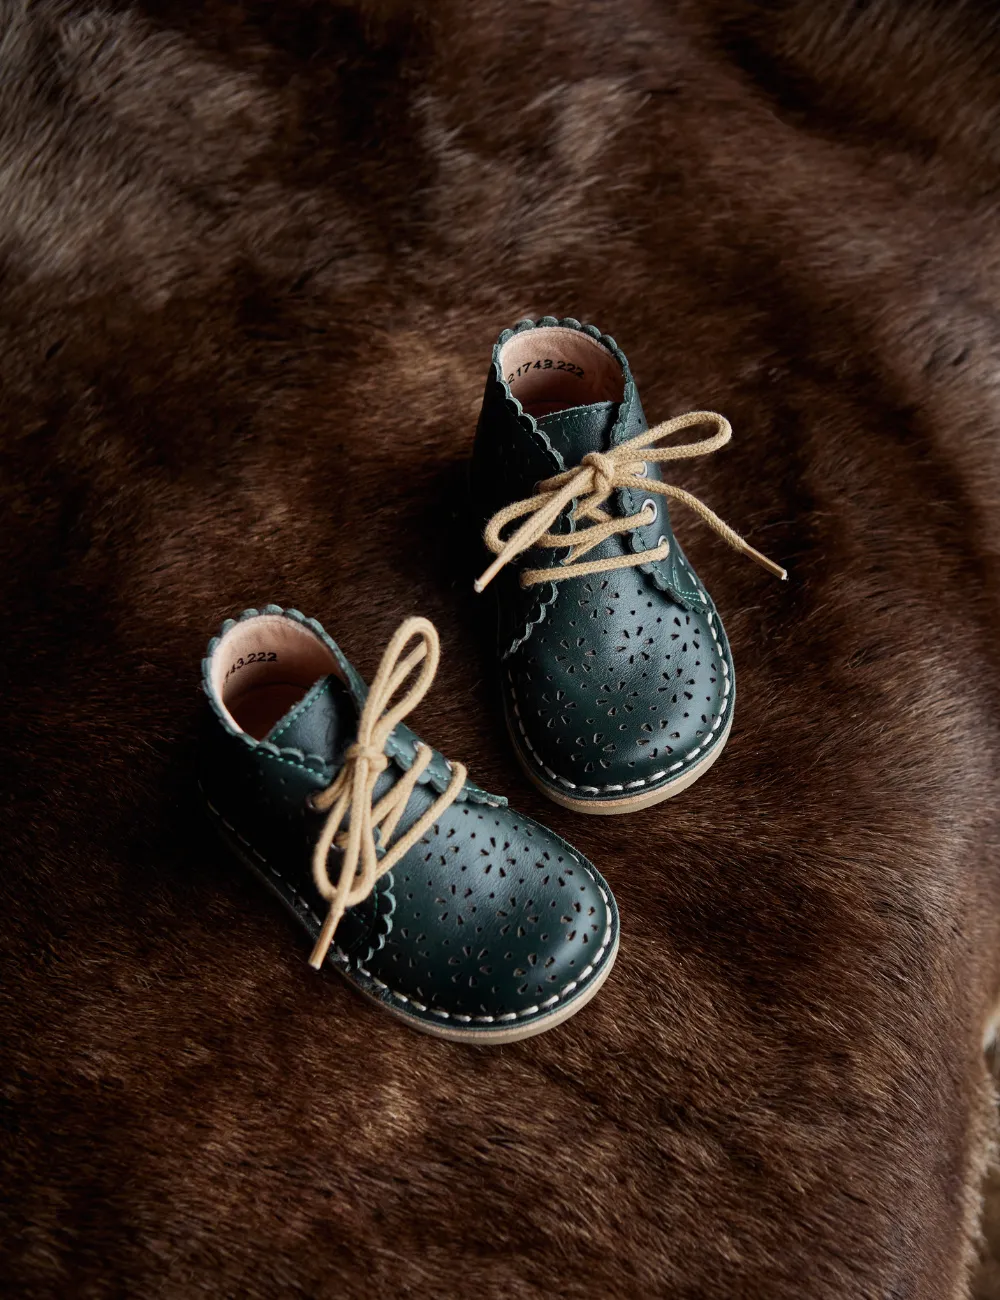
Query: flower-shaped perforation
[
  {"x": 494, "y": 914},
  {"x": 623, "y": 684}
]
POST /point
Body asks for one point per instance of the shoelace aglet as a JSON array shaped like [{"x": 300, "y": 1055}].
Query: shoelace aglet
[
  {"x": 484, "y": 579},
  {"x": 318, "y": 955},
  {"x": 763, "y": 561}
]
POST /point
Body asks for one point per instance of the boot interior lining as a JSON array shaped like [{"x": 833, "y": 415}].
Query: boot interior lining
[
  {"x": 262, "y": 668},
  {"x": 553, "y": 368}
]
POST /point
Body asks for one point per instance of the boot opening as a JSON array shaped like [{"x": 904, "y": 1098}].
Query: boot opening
[
  {"x": 551, "y": 368},
  {"x": 263, "y": 666}
]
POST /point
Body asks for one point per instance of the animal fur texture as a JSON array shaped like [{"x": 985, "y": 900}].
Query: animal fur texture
[{"x": 253, "y": 258}]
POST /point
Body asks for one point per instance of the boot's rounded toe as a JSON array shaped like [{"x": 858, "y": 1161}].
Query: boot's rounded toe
[
  {"x": 624, "y": 706},
  {"x": 497, "y": 922}
]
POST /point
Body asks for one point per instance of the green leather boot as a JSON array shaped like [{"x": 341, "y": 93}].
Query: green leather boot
[
  {"x": 617, "y": 676},
  {"x": 433, "y": 898}
]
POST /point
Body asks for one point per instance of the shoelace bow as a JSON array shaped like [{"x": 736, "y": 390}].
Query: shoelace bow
[
  {"x": 591, "y": 483},
  {"x": 352, "y": 791}
]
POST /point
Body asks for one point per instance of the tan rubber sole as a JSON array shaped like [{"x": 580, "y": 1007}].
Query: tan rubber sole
[
  {"x": 632, "y": 803},
  {"x": 491, "y": 1037},
  {"x": 474, "y": 1037}
]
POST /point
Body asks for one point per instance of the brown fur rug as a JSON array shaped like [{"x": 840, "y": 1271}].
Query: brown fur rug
[{"x": 253, "y": 260}]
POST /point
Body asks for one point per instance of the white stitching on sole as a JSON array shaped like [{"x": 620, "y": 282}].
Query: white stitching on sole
[
  {"x": 648, "y": 780},
  {"x": 340, "y": 956}
]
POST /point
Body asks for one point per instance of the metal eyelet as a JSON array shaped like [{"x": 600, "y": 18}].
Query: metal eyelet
[
  {"x": 653, "y": 506},
  {"x": 662, "y": 541},
  {"x": 644, "y": 472}
]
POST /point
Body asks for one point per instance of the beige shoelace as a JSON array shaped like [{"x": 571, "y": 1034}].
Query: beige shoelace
[
  {"x": 353, "y": 790},
  {"x": 591, "y": 483}
]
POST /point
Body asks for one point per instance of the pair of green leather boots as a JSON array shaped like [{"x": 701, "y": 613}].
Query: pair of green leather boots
[{"x": 433, "y": 897}]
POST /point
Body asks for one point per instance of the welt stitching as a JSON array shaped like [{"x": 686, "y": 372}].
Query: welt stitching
[
  {"x": 718, "y": 715},
  {"x": 528, "y": 1011},
  {"x": 340, "y": 956}
]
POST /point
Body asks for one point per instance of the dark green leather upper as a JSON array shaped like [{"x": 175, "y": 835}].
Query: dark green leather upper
[
  {"x": 614, "y": 683},
  {"x": 489, "y": 920}
]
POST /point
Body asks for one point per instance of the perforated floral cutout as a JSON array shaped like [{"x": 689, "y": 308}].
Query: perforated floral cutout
[
  {"x": 620, "y": 686},
  {"x": 477, "y": 924},
  {"x": 618, "y": 681},
  {"x": 493, "y": 916}
]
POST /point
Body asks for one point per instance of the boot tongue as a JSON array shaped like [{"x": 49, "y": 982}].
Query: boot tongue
[
  {"x": 323, "y": 723},
  {"x": 580, "y": 429}
]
